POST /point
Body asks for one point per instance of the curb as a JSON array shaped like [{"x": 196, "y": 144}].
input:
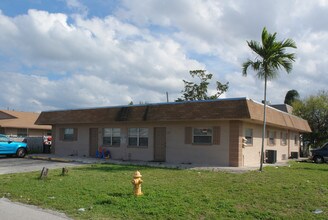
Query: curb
[{"x": 51, "y": 159}]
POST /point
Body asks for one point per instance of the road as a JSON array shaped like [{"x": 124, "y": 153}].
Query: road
[{"x": 21, "y": 165}]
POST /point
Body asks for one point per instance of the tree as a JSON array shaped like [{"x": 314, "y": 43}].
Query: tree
[
  {"x": 314, "y": 109},
  {"x": 270, "y": 58},
  {"x": 193, "y": 91},
  {"x": 291, "y": 96}
]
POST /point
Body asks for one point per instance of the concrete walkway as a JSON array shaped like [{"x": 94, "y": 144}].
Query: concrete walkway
[
  {"x": 18, "y": 211},
  {"x": 91, "y": 160}
]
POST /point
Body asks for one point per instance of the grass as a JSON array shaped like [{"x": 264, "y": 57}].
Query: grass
[{"x": 105, "y": 192}]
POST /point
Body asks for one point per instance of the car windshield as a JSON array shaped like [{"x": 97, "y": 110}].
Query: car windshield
[{"x": 4, "y": 139}]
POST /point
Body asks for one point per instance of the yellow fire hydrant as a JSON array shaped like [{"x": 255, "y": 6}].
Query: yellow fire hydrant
[{"x": 137, "y": 183}]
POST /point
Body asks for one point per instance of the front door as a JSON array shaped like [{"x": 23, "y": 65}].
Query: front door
[
  {"x": 160, "y": 144},
  {"x": 93, "y": 145}
]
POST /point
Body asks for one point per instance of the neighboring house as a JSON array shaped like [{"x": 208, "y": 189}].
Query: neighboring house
[
  {"x": 21, "y": 124},
  {"x": 197, "y": 132}
]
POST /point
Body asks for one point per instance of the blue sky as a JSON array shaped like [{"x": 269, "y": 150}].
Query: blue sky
[
  {"x": 60, "y": 54},
  {"x": 95, "y": 8}
]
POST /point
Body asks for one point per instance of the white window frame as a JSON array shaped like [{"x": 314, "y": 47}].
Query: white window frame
[
  {"x": 139, "y": 135},
  {"x": 249, "y": 137},
  {"x": 272, "y": 139},
  {"x": 205, "y": 132},
  {"x": 112, "y": 135},
  {"x": 283, "y": 138}
]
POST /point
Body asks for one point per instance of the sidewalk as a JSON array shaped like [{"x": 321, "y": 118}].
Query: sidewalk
[
  {"x": 18, "y": 211},
  {"x": 91, "y": 160}
]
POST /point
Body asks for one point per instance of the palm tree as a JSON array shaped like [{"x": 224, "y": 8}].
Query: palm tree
[
  {"x": 270, "y": 58},
  {"x": 291, "y": 96}
]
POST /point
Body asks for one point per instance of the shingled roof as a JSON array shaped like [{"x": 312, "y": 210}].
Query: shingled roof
[
  {"x": 220, "y": 109},
  {"x": 16, "y": 119}
]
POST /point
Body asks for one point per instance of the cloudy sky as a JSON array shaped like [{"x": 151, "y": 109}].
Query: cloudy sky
[{"x": 67, "y": 54}]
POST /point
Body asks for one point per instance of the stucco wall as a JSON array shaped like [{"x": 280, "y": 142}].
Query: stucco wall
[
  {"x": 294, "y": 147},
  {"x": 251, "y": 153},
  {"x": 179, "y": 152},
  {"x": 76, "y": 148},
  {"x": 284, "y": 151},
  {"x": 176, "y": 150},
  {"x": 80, "y": 147}
]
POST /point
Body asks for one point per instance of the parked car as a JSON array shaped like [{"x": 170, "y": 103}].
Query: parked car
[
  {"x": 320, "y": 155},
  {"x": 8, "y": 147}
]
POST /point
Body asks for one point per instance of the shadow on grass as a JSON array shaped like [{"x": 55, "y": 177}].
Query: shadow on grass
[
  {"x": 110, "y": 201},
  {"x": 313, "y": 166},
  {"x": 120, "y": 194},
  {"x": 119, "y": 168}
]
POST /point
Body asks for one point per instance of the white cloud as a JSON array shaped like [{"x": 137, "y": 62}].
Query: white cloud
[
  {"x": 55, "y": 60},
  {"x": 94, "y": 62},
  {"x": 78, "y": 6}
]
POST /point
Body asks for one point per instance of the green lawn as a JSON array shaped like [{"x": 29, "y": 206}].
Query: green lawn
[{"x": 105, "y": 191}]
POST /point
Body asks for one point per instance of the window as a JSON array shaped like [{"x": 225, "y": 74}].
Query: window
[
  {"x": 249, "y": 136},
  {"x": 112, "y": 136},
  {"x": 202, "y": 136},
  {"x": 138, "y": 137},
  {"x": 272, "y": 136},
  {"x": 21, "y": 132},
  {"x": 296, "y": 139},
  {"x": 68, "y": 134},
  {"x": 283, "y": 138}
]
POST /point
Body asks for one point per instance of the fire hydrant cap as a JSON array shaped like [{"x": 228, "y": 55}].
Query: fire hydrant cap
[{"x": 137, "y": 174}]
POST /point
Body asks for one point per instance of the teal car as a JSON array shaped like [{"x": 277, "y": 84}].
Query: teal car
[{"x": 8, "y": 147}]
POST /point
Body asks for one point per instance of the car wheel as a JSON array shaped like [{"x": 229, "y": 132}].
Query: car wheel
[
  {"x": 318, "y": 159},
  {"x": 21, "y": 152}
]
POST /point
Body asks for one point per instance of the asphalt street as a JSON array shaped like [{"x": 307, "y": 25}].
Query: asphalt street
[{"x": 21, "y": 165}]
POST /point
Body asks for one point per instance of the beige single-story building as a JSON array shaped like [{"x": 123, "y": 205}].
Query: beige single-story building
[
  {"x": 21, "y": 124},
  {"x": 196, "y": 132}
]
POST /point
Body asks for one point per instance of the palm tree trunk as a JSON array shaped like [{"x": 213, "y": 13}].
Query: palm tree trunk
[{"x": 264, "y": 124}]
